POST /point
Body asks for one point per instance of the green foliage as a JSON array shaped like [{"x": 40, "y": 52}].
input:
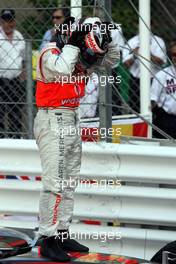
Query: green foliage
[
  {"x": 124, "y": 14},
  {"x": 35, "y": 25}
]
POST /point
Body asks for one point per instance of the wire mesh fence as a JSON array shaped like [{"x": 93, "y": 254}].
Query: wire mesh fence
[{"x": 34, "y": 28}]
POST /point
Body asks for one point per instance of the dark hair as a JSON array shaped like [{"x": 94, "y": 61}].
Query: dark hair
[
  {"x": 65, "y": 11},
  {"x": 172, "y": 43},
  {"x": 8, "y": 14},
  {"x": 170, "y": 46}
]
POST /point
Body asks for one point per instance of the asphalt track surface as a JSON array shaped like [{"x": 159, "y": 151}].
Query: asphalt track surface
[{"x": 77, "y": 258}]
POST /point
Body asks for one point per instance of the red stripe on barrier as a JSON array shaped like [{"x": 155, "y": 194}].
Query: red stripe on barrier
[
  {"x": 38, "y": 178},
  {"x": 91, "y": 222},
  {"x": 25, "y": 178}
]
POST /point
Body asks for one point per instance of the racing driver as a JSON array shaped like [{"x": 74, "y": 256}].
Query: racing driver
[{"x": 70, "y": 54}]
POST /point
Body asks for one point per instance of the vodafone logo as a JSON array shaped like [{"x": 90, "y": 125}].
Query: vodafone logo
[{"x": 91, "y": 43}]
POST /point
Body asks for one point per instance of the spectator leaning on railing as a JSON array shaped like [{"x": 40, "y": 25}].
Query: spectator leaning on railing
[
  {"x": 131, "y": 59},
  {"x": 12, "y": 51}
]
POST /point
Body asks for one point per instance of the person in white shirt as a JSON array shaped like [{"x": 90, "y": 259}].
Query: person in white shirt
[
  {"x": 132, "y": 61},
  {"x": 163, "y": 97},
  {"x": 118, "y": 35},
  {"x": 12, "y": 92},
  {"x": 58, "y": 17},
  {"x": 88, "y": 104}
]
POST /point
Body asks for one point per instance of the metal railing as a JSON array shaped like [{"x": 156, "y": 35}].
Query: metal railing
[{"x": 140, "y": 204}]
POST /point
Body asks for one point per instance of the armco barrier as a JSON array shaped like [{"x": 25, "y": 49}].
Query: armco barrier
[{"x": 133, "y": 203}]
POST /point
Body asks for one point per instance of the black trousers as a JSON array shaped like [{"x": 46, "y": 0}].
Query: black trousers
[
  {"x": 12, "y": 98},
  {"x": 165, "y": 121},
  {"x": 134, "y": 93},
  {"x": 116, "y": 101}
]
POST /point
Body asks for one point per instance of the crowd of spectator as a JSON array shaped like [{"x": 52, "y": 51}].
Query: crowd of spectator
[{"x": 12, "y": 76}]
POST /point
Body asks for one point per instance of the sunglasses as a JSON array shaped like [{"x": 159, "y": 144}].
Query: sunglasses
[{"x": 57, "y": 17}]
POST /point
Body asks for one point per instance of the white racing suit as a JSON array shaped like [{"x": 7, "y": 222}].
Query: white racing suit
[
  {"x": 60, "y": 159},
  {"x": 58, "y": 137},
  {"x": 56, "y": 133}
]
